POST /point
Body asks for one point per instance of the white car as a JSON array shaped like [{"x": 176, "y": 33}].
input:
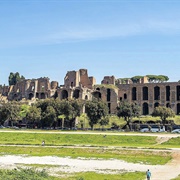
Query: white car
[
  {"x": 176, "y": 131},
  {"x": 144, "y": 130}
]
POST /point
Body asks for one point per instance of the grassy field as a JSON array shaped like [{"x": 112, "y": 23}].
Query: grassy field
[
  {"x": 134, "y": 156},
  {"x": 25, "y": 174},
  {"x": 96, "y": 176},
  {"x": 33, "y": 174},
  {"x": 173, "y": 142},
  {"x": 178, "y": 178},
  {"x": 54, "y": 139}
]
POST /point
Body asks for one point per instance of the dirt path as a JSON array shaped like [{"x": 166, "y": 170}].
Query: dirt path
[
  {"x": 168, "y": 171},
  {"x": 68, "y": 165}
]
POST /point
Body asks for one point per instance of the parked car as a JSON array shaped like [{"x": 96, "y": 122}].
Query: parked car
[
  {"x": 157, "y": 130},
  {"x": 152, "y": 130},
  {"x": 144, "y": 130},
  {"x": 176, "y": 131}
]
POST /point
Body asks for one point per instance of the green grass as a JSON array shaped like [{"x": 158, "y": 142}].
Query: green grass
[
  {"x": 178, "y": 178},
  {"x": 121, "y": 122},
  {"x": 33, "y": 174},
  {"x": 76, "y": 139},
  {"x": 25, "y": 174},
  {"x": 134, "y": 156},
  {"x": 172, "y": 143},
  {"x": 97, "y": 176}
]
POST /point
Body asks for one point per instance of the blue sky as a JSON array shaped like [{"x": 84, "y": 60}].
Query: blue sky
[{"x": 47, "y": 38}]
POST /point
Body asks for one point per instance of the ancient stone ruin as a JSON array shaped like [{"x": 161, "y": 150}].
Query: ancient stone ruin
[{"x": 78, "y": 85}]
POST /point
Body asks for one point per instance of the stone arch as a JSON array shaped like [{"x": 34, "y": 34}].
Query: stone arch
[
  {"x": 145, "y": 93},
  {"x": 157, "y": 93},
  {"x": 134, "y": 94},
  {"x": 156, "y": 104},
  {"x": 42, "y": 88},
  {"x": 37, "y": 95},
  {"x": 97, "y": 95},
  {"x": 76, "y": 93},
  {"x": 145, "y": 108},
  {"x": 64, "y": 94},
  {"x": 167, "y": 93},
  {"x": 42, "y": 96},
  {"x": 125, "y": 96},
  {"x": 55, "y": 95},
  {"x": 168, "y": 105},
  {"x": 109, "y": 107},
  {"x": 15, "y": 96},
  {"x": 178, "y": 109},
  {"x": 108, "y": 94},
  {"x": 86, "y": 97},
  {"x": 178, "y": 92},
  {"x": 31, "y": 95}
]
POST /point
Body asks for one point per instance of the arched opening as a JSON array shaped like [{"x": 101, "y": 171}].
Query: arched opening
[
  {"x": 43, "y": 96},
  {"x": 32, "y": 88},
  {"x": 134, "y": 93},
  {"x": 42, "y": 88},
  {"x": 96, "y": 95},
  {"x": 76, "y": 93},
  {"x": 37, "y": 95},
  {"x": 178, "y": 92},
  {"x": 168, "y": 105},
  {"x": 167, "y": 93},
  {"x": 145, "y": 93},
  {"x": 178, "y": 109},
  {"x": 15, "y": 96},
  {"x": 64, "y": 94},
  {"x": 31, "y": 95},
  {"x": 86, "y": 97},
  {"x": 108, "y": 94},
  {"x": 97, "y": 89},
  {"x": 156, "y": 93},
  {"x": 125, "y": 96},
  {"x": 109, "y": 107},
  {"x": 120, "y": 98},
  {"x": 55, "y": 95},
  {"x": 72, "y": 84},
  {"x": 145, "y": 109},
  {"x": 156, "y": 104}
]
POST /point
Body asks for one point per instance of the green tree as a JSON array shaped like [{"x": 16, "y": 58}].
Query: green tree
[
  {"x": 163, "y": 112},
  {"x": 9, "y": 111},
  {"x": 33, "y": 115},
  {"x": 24, "y": 109},
  {"x": 49, "y": 117},
  {"x": 127, "y": 111},
  {"x": 95, "y": 110},
  {"x": 136, "y": 79},
  {"x": 157, "y": 78},
  {"x": 14, "y": 78},
  {"x": 104, "y": 121}
]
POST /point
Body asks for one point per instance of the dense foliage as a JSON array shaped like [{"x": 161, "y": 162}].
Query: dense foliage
[
  {"x": 24, "y": 174},
  {"x": 14, "y": 78},
  {"x": 163, "y": 112},
  {"x": 96, "y": 110},
  {"x": 151, "y": 79},
  {"x": 128, "y": 111}
]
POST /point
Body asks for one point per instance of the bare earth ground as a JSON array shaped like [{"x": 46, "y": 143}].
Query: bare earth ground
[{"x": 68, "y": 165}]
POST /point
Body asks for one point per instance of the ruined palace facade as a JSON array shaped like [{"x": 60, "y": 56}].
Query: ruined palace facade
[{"x": 78, "y": 85}]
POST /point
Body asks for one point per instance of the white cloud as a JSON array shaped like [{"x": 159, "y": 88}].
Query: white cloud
[{"x": 89, "y": 33}]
